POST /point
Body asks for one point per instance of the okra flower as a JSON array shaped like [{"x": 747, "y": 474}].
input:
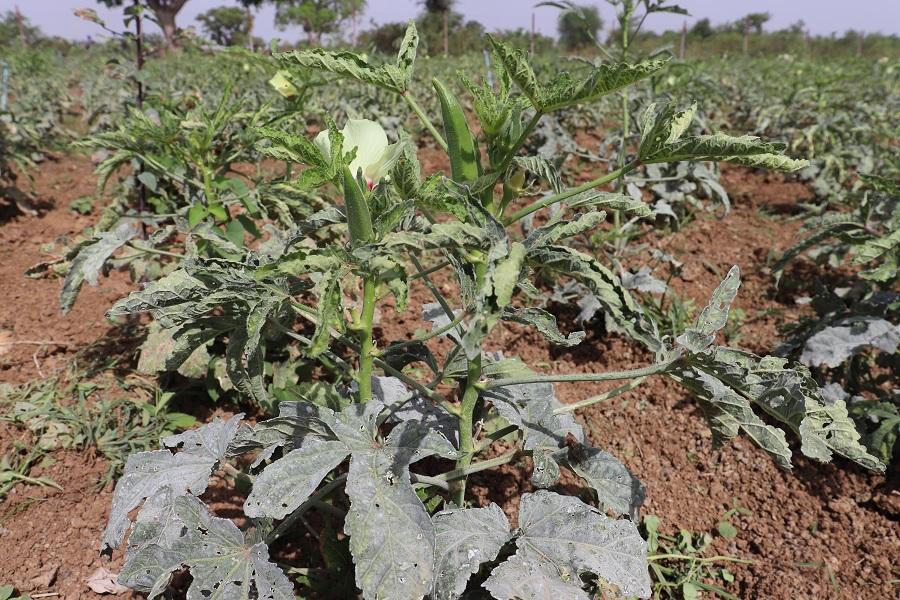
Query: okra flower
[{"x": 374, "y": 155}]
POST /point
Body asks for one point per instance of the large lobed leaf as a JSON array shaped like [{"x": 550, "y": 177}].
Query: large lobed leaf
[
  {"x": 565, "y": 89},
  {"x": 222, "y": 562},
  {"x": 393, "y": 77},
  {"x": 561, "y": 538},
  {"x": 184, "y": 472}
]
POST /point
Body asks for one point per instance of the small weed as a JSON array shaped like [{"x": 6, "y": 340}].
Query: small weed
[{"x": 682, "y": 566}]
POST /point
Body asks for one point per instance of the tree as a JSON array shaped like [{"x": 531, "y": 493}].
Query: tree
[
  {"x": 578, "y": 29},
  {"x": 225, "y": 25},
  {"x": 440, "y": 10},
  {"x": 165, "y": 12},
  {"x": 15, "y": 28},
  {"x": 702, "y": 29},
  {"x": 753, "y": 22},
  {"x": 316, "y": 17},
  {"x": 383, "y": 38},
  {"x": 438, "y": 27}
]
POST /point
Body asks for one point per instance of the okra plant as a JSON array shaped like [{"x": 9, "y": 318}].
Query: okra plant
[{"x": 413, "y": 531}]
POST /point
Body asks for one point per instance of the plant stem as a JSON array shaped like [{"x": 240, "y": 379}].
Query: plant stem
[
  {"x": 411, "y": 102},
  {"x": 607, "y": 376},
  {"x": 745, "y": 561},
  {"x": 430, "y": 335},
  {"x": 366, "y": 345},
  {"x": 549, "y": 200},
  {"x": 493, "y": 437},
  {"x": 432, "y": 288},
  {"x": 466, "y": 443},
  {"x": 600, "y": 397},
  {"x": 463, "y": 472}
]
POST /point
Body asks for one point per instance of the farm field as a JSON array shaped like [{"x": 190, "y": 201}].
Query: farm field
[{"x": 319, "y": 323}]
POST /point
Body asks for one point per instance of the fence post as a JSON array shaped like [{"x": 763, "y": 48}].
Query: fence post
[{"x": 683, "y": 40}]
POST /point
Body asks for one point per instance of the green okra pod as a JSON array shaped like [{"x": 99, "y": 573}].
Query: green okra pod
[
  {"x": 359, "y": 218},
  {"x": 464, "y": 164}
]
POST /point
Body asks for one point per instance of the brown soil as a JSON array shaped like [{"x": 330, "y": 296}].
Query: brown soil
[
  {"x": 35, "y": 339},
  {"x": 821, "y": 531}
]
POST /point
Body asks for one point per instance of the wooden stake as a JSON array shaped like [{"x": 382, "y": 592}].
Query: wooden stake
[
  {"x": 683, "y": 40},
  {"x": 532, "y": 32}
]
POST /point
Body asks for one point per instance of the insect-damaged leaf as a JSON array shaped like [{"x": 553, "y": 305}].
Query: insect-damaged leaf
[
  {"x": 525, "y": 578},
  {"x": 560, "y": 538},
  {"x": 391, "y": 535},
  {"x": 530, "y": 407},
  {"x": 223, "y": 564},
  {"x": 744, "y": 150},
  {"x": 287, "y": 483},
  {"x": 349, "y": 64},
  {"x": 464, "y": 539},
  {"x": 714, "y": 316},
  {"x": 545, "y": 323},
  {"x": 567, "y": 90},
  {"x": 184, "y": 472},
  {"x": 617, "y": 489},
  {"x": 89, "y": 261},
  {"x": 615, "y": 300}
]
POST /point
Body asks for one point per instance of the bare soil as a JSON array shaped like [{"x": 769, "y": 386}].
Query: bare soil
[{"x": 820, "y": 531}]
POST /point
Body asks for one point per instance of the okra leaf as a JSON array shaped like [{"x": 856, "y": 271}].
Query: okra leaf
[
  {"x": 714, "y": 316},
  {"x": 288, "y": 482},
  {"x": 88, "y": 263},
  {"x": 610, "y": 201},
  {"x": 221, "y": 561},
  {"x": 565, "y": 89},
  {"x": 731, "y": 380},
  {"x": 506, "y": 274},
  {"x": 745, "y": 150},
  {"x": 391, "y": 535},
  {"x": 545, "y": 323},
  {"x": 402, "y": 405},
  {"x": 729, "y": 412},
  {"x": 833, "y": 345},
  {"x": 561, "y": 538},
  {"x": 530, "y": 407},
  {"x": 329, "y": 313},
  {"x": 464, "y": 540},
  {"x": 187, "y": 353},
  {"x": 615, "y": 300},
  {"x": 564, "y": 228},
  {"x": 525, "y": 577},
  {"x": 543, "y": 169},
  {"x": 395, "y": 78},
  {"x": 617, "y": 489},
  {"x": 184, "y": 472}
]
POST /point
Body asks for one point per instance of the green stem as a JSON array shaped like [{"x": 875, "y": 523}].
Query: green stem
[
  {"x": 431, "y": 335},
  {"x": 549, "y": 200},
  {"x": 744, "y": 561},
  {"x": 366, "y": 345},
  {"x": 493, "y": 437},
  {"x": 155, "y": 251},
  {"x": 432, "y": 288},
  {"x": 411, "y": 102},
  {"x": 608, "y": 376},
  {"x": 466, "y": 415},
  {"x": 600, "y": 397},
  {"x": 484, "y": 465}
]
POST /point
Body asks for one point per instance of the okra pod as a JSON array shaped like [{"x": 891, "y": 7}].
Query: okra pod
[
  {"x": 460, "y": 142},
  {"x": 359, "y": 218}
]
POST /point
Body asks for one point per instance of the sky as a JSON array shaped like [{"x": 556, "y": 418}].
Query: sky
[{"x": 822, "y": 17}]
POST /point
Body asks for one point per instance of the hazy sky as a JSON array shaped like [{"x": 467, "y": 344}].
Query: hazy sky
[{"x": 821, "y": 16}]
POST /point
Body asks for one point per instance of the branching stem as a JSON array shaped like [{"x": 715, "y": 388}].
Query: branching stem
[
  {"x": 607, "y": 376},
  {"x": 555, "y": 198}
]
